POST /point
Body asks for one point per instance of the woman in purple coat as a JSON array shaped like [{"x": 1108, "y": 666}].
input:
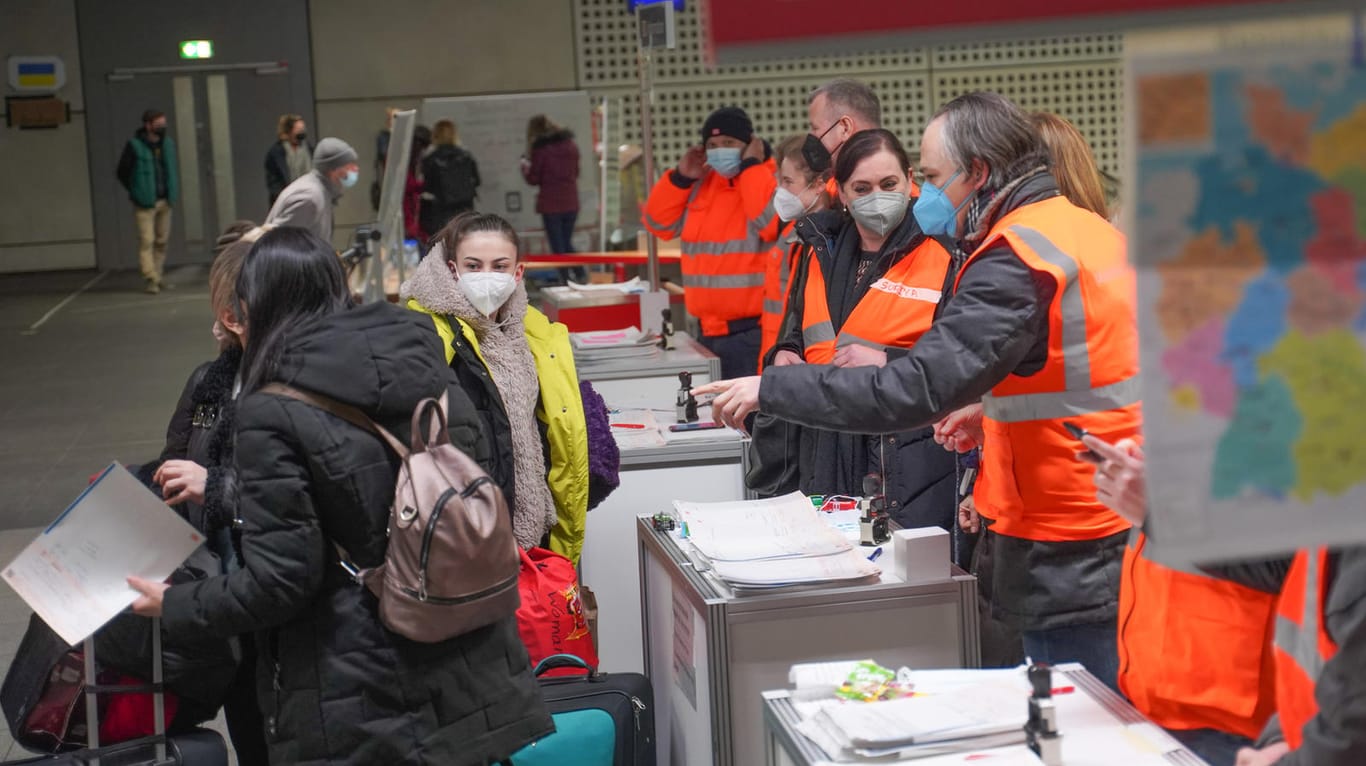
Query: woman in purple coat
[{"x": 552, "y": 163}]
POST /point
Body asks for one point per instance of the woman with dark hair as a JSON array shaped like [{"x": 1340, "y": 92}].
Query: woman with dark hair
[
  {"x": 868, "y": 289},
  {"x": 336, "y": 686},
  {"x": 518, "y": 368},
  {"x": 195, "y": 470},
  {"x": 551, "y": 163}
]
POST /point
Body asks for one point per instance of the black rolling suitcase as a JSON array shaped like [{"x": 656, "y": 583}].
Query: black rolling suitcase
[
  {"x": 601, "y": 719},
  {"x": 197, "y": 747}
]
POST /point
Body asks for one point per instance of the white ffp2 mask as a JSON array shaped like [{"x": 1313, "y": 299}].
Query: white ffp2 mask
[{"x": 487, "y": 290}]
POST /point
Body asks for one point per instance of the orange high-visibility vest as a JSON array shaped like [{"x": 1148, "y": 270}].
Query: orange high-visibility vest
[
  {"x": 1303, "y": 645},
  {"x": 720, "y": 223},
  {"x": 782, "y": 260},
  {"x": 1194, "y": 651},
  {"x": 894, "y": 313},
  {"x": 1090, "y": 378}
]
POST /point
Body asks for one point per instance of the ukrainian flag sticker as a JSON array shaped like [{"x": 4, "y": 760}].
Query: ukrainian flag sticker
[{"x": 36, "y": 73}]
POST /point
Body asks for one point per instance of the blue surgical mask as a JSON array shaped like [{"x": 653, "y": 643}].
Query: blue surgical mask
[
  {"x": 934, "y": 211},
  {"x": 350, "y": 179},
  {"x": 724, "y": 160}
]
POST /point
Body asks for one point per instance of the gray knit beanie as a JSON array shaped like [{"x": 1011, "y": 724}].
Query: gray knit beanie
[{"x": 333, "y": 153}]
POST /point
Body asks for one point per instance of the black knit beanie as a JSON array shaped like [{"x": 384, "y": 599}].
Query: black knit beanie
[{"x": 728, "y": 121}]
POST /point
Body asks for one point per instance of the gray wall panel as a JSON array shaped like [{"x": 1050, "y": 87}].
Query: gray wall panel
[
  {"x": 45, "y": 218},
  {"x": 366, "y": 49},
  {"x": 146, "y": 33}
]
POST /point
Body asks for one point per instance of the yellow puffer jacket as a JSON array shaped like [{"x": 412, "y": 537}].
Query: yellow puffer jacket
[{"x": 561, "y": 410}]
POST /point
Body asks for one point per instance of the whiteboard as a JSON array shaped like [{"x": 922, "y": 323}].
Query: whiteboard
[{"x": 493, "y": 129}]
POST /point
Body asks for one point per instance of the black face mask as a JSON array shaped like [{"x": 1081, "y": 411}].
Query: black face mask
[
  {"x": 814, "y": 152},
  {"x": 299, "y": 137},
  {"x": 161, "y": 131}
]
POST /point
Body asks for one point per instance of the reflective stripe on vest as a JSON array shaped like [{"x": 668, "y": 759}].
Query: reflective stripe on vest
[
  {"x": 1301, "y": 642},
  {"x": 1024, "y": 407},
  {"x": 657, "y": 226},
  {"x": 728, "y": 247},
  {"x": 723, "y": 281},
  {"x": 849, "y": 339},
  {"x": 1079, "y": 398},
  {"x": 1303, "y": 646},
  {"x": 773, "y": 307},
  {"x": 820, "y": 332}
]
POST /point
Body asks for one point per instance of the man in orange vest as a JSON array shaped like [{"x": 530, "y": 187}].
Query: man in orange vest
[
  {"x": 1042, "y": 329},
  {"x": 1320, "y": 639},
  {"x": 718, "y": 202}
]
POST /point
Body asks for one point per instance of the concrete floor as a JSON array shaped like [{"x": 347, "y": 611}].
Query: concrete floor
[
  {"x": 90, "y": 370},
  {"x": 94, "y": 381}
]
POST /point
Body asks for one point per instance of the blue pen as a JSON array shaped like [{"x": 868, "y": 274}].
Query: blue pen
[{"x": 877, "y": 552}]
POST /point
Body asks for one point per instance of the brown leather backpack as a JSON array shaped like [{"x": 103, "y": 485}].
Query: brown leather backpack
[{"x": 451, "y": 564}]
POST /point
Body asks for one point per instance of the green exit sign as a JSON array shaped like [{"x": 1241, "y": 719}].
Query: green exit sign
[{"x": 196, "y": 49}]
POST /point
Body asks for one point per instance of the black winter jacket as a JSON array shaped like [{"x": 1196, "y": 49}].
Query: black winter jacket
[
  {"x": 918, "y": 473},
  {"x": 201, "y": 430},
  {"x": 334, "y": 684},
  {"x": 479, "y": 386},
  {"x": 995, "y": 324}
]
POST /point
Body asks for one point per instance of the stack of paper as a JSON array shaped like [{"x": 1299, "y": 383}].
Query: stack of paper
[
  {"x": 773, "y": 543},
  {"x": 782, "y": 572},
  {"x": 603, "y": 345},
  {"x": 973, "y": 717}
]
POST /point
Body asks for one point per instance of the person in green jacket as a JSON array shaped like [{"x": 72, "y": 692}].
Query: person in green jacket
[
  {"x": 518, "y": 368},
  {"x": 149, "y": 171}
]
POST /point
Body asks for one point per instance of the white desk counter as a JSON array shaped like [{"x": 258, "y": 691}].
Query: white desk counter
[{"x": 710, "y": 653}]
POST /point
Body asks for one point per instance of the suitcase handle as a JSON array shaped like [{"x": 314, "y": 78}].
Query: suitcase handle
[{"x": 564, "y": 661}]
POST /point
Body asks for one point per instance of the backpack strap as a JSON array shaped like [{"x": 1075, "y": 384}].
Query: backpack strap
[{"x": 344, "y": 411}]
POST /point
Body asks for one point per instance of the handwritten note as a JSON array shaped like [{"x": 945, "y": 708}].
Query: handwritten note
[{"x": 74, "y": 574}]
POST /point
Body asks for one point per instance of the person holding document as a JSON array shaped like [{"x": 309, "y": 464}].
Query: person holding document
[{"x": 336, "y": 686}]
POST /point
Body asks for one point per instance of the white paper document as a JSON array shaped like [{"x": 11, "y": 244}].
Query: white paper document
[
  {"x": 971, "y": 711},
  {"x": 748, "y": 530},
  {"x": 74, "y": 575}
]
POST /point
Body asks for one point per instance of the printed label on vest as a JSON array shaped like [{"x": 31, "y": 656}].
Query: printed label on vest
[{"x": 907, "y": 291}]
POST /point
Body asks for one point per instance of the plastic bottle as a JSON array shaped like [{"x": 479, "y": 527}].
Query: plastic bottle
[{"x": 411, "y": 253}]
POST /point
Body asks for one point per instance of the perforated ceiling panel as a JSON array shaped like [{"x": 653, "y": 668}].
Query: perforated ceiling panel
[{"x": 1077, "y": 77}]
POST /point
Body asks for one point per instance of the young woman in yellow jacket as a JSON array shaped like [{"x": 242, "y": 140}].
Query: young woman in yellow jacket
[{"x": 518, "y": 368}]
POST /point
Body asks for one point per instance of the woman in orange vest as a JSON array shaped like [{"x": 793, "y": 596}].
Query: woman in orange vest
[
  {"x": 1314, "y": 679},
  {"x": 801, "y": 192},
  {"x": 718, "y": 203},
  {"x": 869, "y": 288}
]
